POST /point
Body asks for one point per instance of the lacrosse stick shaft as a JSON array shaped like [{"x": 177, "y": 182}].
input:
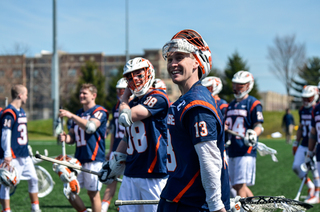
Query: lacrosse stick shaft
[
  {"x": 300, "y": 188},
  {"x": 66, "y": 164},
  {"x": 135, "y": 202},
  {"x": 234, "y": 133},
  {"x": 63, "y": 144},
  {"x": 42, "y": 157}
]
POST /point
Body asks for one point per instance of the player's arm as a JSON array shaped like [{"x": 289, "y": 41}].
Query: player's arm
[
  {"x": 90, "y": 126},
  {"x": 129, "y": 115},
  {"x": 68, "y": 138},
  {"x": 209, "y": 154},
  {"x": 312, "y": 139},
  {"x": 7, "y": 123},
  {"x": 258, "y": 128}
]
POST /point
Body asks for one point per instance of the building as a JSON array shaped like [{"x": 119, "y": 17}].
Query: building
[
  {"x": 35, "y": 74},
  {"x": 272, "y": 101}
]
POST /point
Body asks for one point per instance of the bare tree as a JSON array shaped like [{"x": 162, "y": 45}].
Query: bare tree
[
  {"x": 286, "y": 57},
  {"x": 17, "y": 49}
]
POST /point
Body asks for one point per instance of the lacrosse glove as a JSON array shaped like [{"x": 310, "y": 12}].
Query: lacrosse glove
[
  {"x": 295, "y": 147},
  {"x": 251, "y": 138},
  {"x": 309, "y": 160},
  {"x": 113, "y": 168}
]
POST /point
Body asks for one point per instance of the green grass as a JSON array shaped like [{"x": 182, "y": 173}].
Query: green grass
[{"x": 273, "y": 179}]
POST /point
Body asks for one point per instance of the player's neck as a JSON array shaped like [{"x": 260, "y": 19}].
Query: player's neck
[
  {"x": 16, "y": 103},
  {"x": 88, "y": 106},
  {"x": 187, "y": 85}
]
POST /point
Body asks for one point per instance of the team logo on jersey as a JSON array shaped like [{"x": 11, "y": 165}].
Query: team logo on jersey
[
  {"x": 181, "y": 104},
  {"x": 170, "y": 120},
  {"x": 22, "y": 120}
]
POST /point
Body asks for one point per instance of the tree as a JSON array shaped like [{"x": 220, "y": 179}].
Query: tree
[
  {"x": 287, "y": 57},
  {"x": 112, "y": 91},
  {"x": 89, "y": 74},
  {"x": 235, "y": 64}
]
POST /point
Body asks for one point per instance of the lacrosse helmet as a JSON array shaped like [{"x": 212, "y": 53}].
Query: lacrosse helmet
[
  {"x": 213, "y": 84},
  {"x": 122, "y": 83},
  {"x": 134, "y": 80},
  {"x": 310, "y": 95},
  {"x": 242, "y": 77},
  {"x": 158, "y": 83},
  {"x": 190, "y": 41},
  {"x": 8, "y": 175}
]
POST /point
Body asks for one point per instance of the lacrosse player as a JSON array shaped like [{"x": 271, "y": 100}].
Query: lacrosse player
[
  {"x": 117, "y": 133},
  {"x": 214, "y": 85},
  {"x": 88, "y": 133},
  {"x": 310, "y": 95},
  {"x": 243, "y": 116},
  {"x": 144, "y": 146},
  {"x": 198, "y": 175},
  {"x": 14, "y": 150}
]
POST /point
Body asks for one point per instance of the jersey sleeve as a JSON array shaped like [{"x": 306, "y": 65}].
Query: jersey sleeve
[
  {"x": 256, "y": 114},
  {"x": 201, "y": 125},
  {"x": 7, "y": 121},
  {"x": 155, "y": 104},
  {"x": 100, "y": 115}
]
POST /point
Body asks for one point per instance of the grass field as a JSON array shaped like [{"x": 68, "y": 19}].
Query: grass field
[{"x": 272, "y": 179}]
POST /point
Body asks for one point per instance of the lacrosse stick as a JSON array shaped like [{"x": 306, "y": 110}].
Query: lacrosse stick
[
  {"x": 65, "y": 163},
  {"x": 252, "y": 204},
  {"x": 261, "y": 147},
  {"x": 59, "y": 129}
]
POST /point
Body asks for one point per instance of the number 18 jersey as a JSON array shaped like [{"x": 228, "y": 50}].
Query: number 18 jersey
[
  {"x": 16, "y": 121},
  {"x": 147, "y": 138}
]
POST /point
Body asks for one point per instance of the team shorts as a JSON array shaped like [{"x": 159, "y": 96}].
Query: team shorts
[
  {"x": 90, "y": 181},
  {"x": 140, "y": 189},
  {"x": 242, "y": 170}
]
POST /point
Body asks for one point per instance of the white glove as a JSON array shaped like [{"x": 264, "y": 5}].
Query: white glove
[
  {"x": 251, "y": 138},
  {"x": 309, "y": 160},
  {"x": 64, "y": 172},
  {"x": 235, "y": 205},
  {"x": 113, "y": 168},
  {"x": 72, "y": 188}
]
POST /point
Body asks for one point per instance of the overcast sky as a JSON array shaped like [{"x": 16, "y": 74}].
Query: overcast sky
[{"x": 245, "y": 26}]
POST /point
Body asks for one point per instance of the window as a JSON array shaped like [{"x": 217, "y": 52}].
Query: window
[
  {"x": 35, "y": 73},
  {"x": 81, "y": 58},
  {"x": 16, "y": 73},
  {"x": 72, "y": 72},
  {"x": 1, "y": 89},
  {"x": 92, "y": 58},
  {"x": 1, "y": 73},
  {"x": 35, "y": 88}
]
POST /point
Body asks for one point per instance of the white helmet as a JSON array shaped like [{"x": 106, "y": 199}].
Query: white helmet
[
  {"x": 122, "y": 83},
  {"x": 310, "y": 95},
  {"x": 214, "y": 83},
  {"x": 8, "y": 175},
  {"x": 149, "y": 75},
  {"x": 190, "y": 41},
  {"x": 243, "y": 77},
  {"x": 158, "y": 83}
]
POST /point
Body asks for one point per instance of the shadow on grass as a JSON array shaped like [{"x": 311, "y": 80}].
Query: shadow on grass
[{"x": 39, "y": 133}]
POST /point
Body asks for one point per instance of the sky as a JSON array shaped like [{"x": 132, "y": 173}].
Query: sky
[{"x": 248, "y": 27}]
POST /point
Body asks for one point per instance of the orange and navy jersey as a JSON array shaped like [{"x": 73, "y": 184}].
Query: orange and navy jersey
[
  {"x": 147, "y": 138},
  {"x": 192, "y": 119},
  {"x": 240, "y": 117},
  {"x": 16, "y": 121},
  {"x": 91, "y": 147},
  {"x": 1, "y": 111},
  {"x": 118, "y": 130},
  {"x": 222, "y": 105},
  {"x": 305, "y": 115},
  {"x": 315, "y": 122}
]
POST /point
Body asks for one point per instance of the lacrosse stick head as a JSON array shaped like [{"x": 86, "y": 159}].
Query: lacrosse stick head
[{"x": 45, "y": 182}]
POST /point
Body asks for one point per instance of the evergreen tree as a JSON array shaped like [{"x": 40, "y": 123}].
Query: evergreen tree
[
  {"x": 112, "y": 91},
  {"x": 89, "y": 74},
  {"x": 235, "y": 64}
]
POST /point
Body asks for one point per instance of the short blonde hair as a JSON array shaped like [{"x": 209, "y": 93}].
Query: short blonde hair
[
  {"x": 92, "y": 88},
  {"x": 16, "y": 90}
]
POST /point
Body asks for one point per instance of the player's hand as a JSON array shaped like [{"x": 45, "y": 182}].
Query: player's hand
[
  {"x": 62, "y": 137},
  {"x": 309, "y": 160},
  {"x": 105, "y": 174},
  {"x": 65, "y": 113},
  {"x": 251, "y": 138},
  {"x": 295, "y": 147},
  {"x": 7, "y": 160}
]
